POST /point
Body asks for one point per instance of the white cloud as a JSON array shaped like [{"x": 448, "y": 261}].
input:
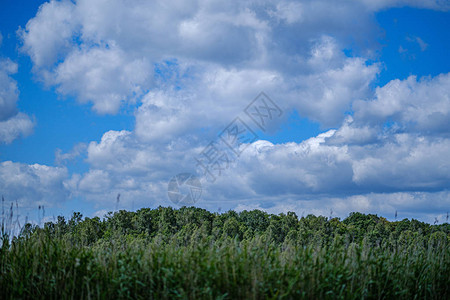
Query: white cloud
[
  {"x": 211, "y": 97},
  {"x": 211, "y": 101},
  {"x": 104, "y": 52},
  {"x": 351, "y": 135},
  {"x": 350, "y": 168},
  {"x": 414, "y": 105},
  {"x": 49, "y": 35},
  {"x": 406, "y": 163},
  {"x": 12, "y": 123},
  {"x": 102, "y": 76},
  {"x": 289, "y": 12},
  {"x": 306, "y": 175},
  {"x": 326, "y": 95},
  {"x": 95, "y": 182},
  {"x": 61, "y": 158},
  {"x": 32, "y": 185},
  {"x": 14, "y": 127}
]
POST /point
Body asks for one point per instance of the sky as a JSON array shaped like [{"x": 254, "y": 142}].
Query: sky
[{"x": 317, "y": 107}]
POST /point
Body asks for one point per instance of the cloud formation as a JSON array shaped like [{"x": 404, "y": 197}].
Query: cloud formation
[
  {"x": 105, "y": 52},
  {"x": 410, "y": 105},
  {"x": 353, "y": 167},
  {"x": 12, "y": 123},
  {"x": 191, "y": 67},
  {"x": 32, "y": 185}
]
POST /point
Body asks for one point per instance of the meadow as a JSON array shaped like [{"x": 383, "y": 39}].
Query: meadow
[{"x": 191, "y": 253}]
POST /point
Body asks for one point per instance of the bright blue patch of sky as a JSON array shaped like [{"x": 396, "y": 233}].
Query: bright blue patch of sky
[
  {"x": 295, "y": 129},
  {"x": 416, "y": 42}
]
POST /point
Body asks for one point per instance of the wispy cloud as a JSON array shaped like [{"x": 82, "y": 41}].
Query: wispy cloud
[
  {"x": 61, "y": 158},
  {"x": 415, "y": 39}
]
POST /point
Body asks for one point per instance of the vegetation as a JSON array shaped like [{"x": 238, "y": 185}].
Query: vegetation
[{"x": 191, "y": 253}]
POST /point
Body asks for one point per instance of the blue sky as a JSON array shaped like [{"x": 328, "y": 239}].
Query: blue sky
[{"x": 100, "y": 99}]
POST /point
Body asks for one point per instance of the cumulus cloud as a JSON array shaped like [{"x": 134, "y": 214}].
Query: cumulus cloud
[
  {"x": 404, "y": 163},
  {"x": 212, "y": 100},
  {"x": 326, "y": 95},
  {"x": 32, "y": 185},
  {"x": 362, "y": 157},
  {"x": 103, "y": 76},
  {"x": 359, "y": 166},
  {"x": 12, "y": 123},
  {"x": 410, "y": 105},
  {"x": 49, "y": 33},
  {"x": 213, "y": 96},
  {"x": 14, "y": 127},
  {"x": 105, "y": 53}
]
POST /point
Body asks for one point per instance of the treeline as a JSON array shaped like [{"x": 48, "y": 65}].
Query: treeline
[
  {"x": 189, "y": 223},
  {"x": 191, "y": 253}
]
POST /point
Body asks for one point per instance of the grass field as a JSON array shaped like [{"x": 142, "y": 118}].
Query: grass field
[{"x": 191, "y": 253}]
